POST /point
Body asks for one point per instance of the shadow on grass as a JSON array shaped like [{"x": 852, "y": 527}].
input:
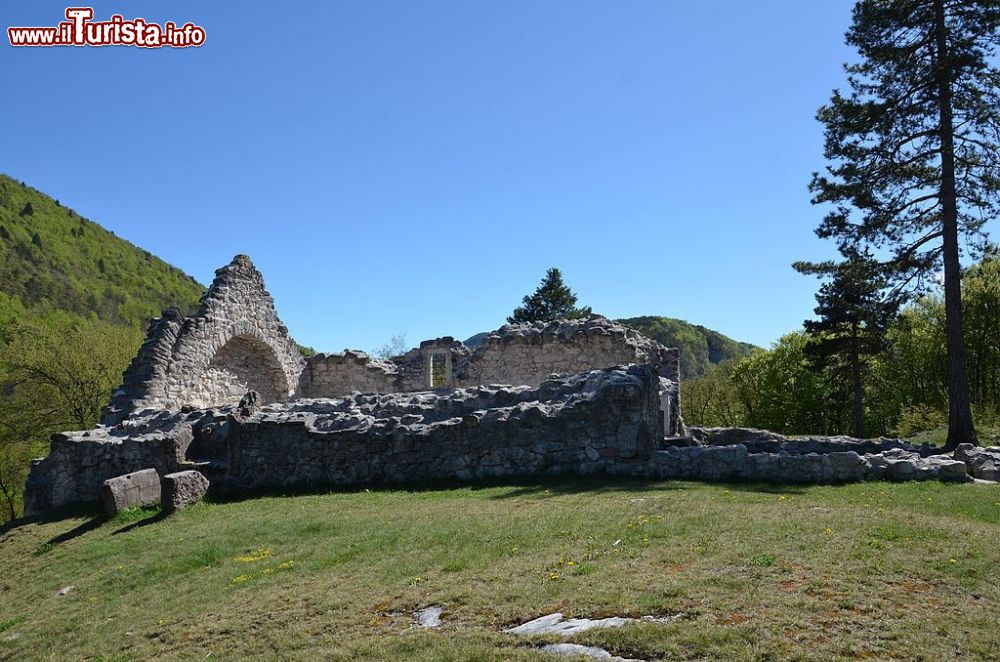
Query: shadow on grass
[
  {"x": 519, "y": 486},
  {"x": 512, "y": 488},
  {"x": 578, "y": 485},
  {"x": 766, "y": 488},
  {"x": 86, "y": 527},
  {"x": 159, "y": 516},
  {"x": 92, "y": 513}
]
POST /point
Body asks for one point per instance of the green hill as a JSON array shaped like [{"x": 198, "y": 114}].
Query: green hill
[
  {"x": 53, "y": 259},
  {"x": 700, "y": 347}
]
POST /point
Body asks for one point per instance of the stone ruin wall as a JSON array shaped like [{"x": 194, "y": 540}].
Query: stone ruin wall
[
  {"x": 79, "y": 462},
  {"x": 346, "y": 372},
  {"x": 599, "y": 422},
  {"x": 430, "y": 414},
  {"x": 236, "y": 343},
  {"x": 603, "y": 421},
  {"x": 525, "y": 354}
]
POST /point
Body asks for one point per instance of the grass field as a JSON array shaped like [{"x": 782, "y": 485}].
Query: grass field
[{"x": 875, "y": 571}]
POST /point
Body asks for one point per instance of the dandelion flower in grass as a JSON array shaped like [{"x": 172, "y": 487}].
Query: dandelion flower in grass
[
  {"x": 258, "y": 555},
  {"x": 952, "y": 561}
]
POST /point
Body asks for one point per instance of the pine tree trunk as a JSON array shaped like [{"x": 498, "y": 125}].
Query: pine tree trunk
[
  {"x": 859, "y": 410},
  {"x": 960, "y": 427}
]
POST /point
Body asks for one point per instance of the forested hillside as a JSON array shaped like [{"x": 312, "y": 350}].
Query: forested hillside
[
  {"x": 700, "y": 348},
  {"x": 51, "y": 258},
  {"x": 74, "y": 304}
]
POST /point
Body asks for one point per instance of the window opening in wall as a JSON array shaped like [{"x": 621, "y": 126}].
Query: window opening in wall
[{"x": 439, "y": 378}]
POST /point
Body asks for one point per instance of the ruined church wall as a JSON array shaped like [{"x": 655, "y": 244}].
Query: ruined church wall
[
  {"x": 525, "y": 354},
  {"x": 334, "y": 375},
  {"x": 599, "y": 422},
  {"x": 234, "y": 343},
  {"x": 530, "y": 353},
  {"x": 531, "y": 356},
  {"x": 593, "y": 423}
]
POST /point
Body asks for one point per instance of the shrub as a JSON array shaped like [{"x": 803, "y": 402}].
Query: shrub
[{"x": 920, "y": 418}]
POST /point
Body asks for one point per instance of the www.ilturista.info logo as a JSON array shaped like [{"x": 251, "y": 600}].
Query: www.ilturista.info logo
[{"x": 81, "y": 30}]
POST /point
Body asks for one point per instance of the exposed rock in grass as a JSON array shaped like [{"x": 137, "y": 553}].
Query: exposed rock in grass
[
  {"x": 429, "y": 617},
  {"x": 555, "y": 624},
  {"x": 576, "y": 650}
]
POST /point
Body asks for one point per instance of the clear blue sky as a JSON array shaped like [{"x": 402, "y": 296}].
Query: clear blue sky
[{"x": 417, "y": 165}]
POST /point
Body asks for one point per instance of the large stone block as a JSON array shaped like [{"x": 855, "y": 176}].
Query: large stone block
[
  {"x": 183, "y": 489},
  {"x": 141, "y": 488}
]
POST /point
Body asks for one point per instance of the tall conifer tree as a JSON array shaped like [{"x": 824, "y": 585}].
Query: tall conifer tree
[
  {"x": 551, "y": 301},
  {"x": 914, "y": 152},
  {"x": 854, "y": 314}
]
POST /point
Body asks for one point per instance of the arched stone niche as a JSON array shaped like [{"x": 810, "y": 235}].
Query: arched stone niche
[{"x": 243, "y": 364}]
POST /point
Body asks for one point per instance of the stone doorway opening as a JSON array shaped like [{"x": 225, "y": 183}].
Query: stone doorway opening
[{"x": 438, "y": 368}]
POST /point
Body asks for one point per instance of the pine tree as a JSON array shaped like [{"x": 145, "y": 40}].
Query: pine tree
[
  {"x": 854, "y": 314},
  {"x": 551, "y": 301},
  {"x": 914, "y": 152}
]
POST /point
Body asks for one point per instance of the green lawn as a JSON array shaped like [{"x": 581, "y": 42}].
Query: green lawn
[{"x": 880, "y": 571}]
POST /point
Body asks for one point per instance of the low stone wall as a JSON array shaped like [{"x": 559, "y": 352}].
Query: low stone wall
[
  {"x": 736, "y": 463},
  {"x": 765, "y": 441},
  {"x": 599, "y": 422},
  {"x": 604, "y": 421},
  {"x": 79, "y": 462},
  {"x": 983, "y": 463}
]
